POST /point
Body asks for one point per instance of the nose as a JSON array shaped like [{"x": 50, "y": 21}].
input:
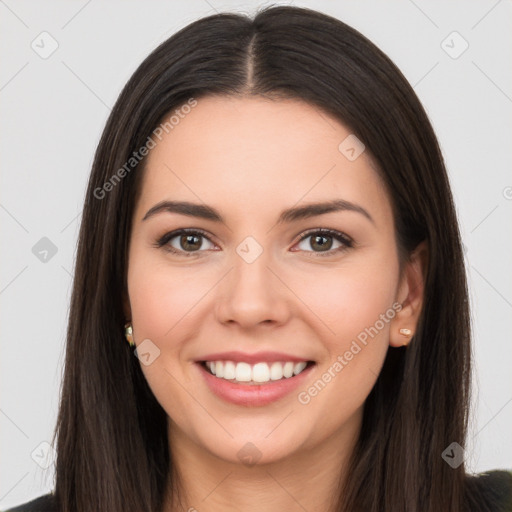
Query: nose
[{"x": 251, "y": 295}]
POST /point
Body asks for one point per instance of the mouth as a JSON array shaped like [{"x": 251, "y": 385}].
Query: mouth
[
  {"x": 255, "y": 374},
  {"x": 254, "y": 380}
]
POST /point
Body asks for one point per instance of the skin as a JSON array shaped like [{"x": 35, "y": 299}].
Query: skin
[{"x": 251, "y": 158}]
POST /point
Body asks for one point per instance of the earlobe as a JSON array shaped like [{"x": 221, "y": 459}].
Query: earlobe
[{"x": 410, "y": 295}]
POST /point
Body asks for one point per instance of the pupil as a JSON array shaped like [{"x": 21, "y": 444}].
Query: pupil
[
  {"x": 192, "y": 242},
  {"x": 323, "y": 243}
]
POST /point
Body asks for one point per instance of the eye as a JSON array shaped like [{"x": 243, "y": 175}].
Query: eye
[
  {"x": 191, "y": 242},
  {"x": 326, "y": 241},
  {"x": 185, "y": 241}
]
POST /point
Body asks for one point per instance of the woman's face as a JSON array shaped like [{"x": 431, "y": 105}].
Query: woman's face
[{"x": 254, "y": 291}]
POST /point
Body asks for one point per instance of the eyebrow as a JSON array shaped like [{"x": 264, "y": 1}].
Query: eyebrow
[{"x": 203, "y": 211}]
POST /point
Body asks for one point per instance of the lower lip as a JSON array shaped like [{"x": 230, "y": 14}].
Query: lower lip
[{"x": 253, "y": 395}]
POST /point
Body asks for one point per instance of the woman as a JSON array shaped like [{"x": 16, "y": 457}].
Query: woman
[{"x": 269, "y": 224}]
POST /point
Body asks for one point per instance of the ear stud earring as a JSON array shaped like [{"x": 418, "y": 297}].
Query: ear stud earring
[
  {"x": 128, "y": 334},
  {"x": 407, "y": 333}
]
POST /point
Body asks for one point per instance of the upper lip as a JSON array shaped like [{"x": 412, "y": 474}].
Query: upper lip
[{"x": 257, "y": 357}]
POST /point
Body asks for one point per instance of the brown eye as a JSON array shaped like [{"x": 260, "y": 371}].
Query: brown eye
[
  {"x": 321, "y": 242},
  {"x": 183, "y": 242},
  {"x": 324, "y": 241},
  {"x": 190, "y": 242}
]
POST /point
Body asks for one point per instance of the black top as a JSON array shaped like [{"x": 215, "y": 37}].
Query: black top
[{"x": 494, "y": 487}]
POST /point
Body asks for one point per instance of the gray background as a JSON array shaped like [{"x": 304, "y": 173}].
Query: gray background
[{"x": 53, "y": 111}]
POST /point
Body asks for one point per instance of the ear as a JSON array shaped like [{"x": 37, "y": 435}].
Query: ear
[{"x": 410, "y": 296}]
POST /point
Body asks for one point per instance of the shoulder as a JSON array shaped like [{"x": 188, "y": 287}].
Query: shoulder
[
  {"x": 44, "y": 503},
  {"x": 491, "y": 490}
]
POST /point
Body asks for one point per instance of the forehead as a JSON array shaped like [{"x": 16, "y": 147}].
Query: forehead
[{"x": 247, "y": 153}]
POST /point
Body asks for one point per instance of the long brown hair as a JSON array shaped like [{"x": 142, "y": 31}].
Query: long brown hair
[{"x": 112, "y": 446}]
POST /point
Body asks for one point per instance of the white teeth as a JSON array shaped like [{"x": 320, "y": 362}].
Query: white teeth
[
  {"x": 243, "y": 372},
  {"x": 288, "y": 370},
  {"x": 229, "y": 370},
  {"x": 276, "y": 371},
  {"x": 299, "y": 367},
  {"x": 259, "y": 372}
]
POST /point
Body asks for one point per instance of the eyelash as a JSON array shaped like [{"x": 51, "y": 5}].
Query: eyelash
[{"x": 346, "y": 241}]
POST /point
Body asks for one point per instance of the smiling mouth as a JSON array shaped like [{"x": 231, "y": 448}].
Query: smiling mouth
[{"x": 255, "y": 374}]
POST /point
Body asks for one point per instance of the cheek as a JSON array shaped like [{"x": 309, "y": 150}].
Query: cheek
[
  {"x": 164, "y": 302},
  {"x": 162, "y": 296},
  {"x": 349, "y": 300},
  {"x": 355, "y": 302}
]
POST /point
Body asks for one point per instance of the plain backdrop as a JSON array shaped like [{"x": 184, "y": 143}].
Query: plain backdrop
[{"x": 457, "y": 56}]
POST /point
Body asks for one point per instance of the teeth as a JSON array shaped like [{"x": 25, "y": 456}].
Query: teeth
[
  {"x": 229, "y": 370},
  {"x": 243, "y": 372},
  {"x": 288, "y": 370},
  {"x": 299, "y": 367},
  {"x": 259, "y": 372},
  {"x": 276, "y": 371}
]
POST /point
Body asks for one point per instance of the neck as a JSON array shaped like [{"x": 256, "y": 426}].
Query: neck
[{"x": 305, "y": 480}]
